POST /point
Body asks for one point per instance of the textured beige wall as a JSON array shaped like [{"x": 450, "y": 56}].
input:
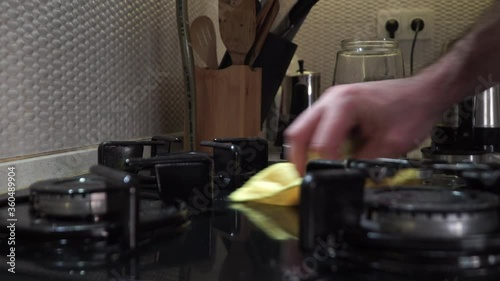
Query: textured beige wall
[{"x": 75, "y": 73}]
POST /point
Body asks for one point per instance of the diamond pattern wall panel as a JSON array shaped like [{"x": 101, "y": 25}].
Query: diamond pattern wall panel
[{"x": 77, "y": 72}]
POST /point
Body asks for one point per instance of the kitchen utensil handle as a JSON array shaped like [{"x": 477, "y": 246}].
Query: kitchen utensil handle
[
  {"x": 300, "y": 10},
  {"x": 212, "y": 62},
  {"x": 262, "y": 15},
  {"x": 238, "y": 58},
  {"x": 297, "y": 17},
  {"x": 262, "y": 34}
]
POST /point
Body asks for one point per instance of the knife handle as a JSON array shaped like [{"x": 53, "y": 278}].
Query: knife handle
[{"x": 263, "y": 32}]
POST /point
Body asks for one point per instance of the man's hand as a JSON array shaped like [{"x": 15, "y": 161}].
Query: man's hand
[{"x": 389, "y": 118}]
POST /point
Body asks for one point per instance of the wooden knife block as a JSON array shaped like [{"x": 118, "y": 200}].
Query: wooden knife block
[{"x": 227, "y": 102}]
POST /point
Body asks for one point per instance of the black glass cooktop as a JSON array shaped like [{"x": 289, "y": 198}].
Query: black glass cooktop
[{"x": 225, "y": 244}]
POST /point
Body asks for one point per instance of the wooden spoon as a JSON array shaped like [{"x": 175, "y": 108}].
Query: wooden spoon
[
  {"x": 203, "y": 40},
  {"x": 237, "y": 27}
]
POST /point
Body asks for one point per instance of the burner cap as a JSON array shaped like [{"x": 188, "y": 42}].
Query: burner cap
[
  {"x": 431, "y": 212},
  {"x": 429, "y": 199},
  {"x": 73, "y": 197},
  {"x": 70, "y": 186}
]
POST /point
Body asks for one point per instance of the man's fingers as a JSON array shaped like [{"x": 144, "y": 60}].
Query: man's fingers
[
  {"x": 332, "y": 133},
  {"x": 298, "y": 136}
]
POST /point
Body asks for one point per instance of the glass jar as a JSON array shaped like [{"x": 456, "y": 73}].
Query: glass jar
[{"x": 368, "y": 60}]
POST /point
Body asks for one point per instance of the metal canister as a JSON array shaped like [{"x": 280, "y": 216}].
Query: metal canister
[
  {"x": 487, "y": 108},
  {"x": 299, "y": 91}
]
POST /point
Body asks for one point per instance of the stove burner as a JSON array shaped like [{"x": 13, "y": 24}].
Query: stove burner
[
  {"x": 431, "y": 199},
  {"x": 81, "y": 197},
  {"x": 88, "y": 221},
  {"x": 431, "y": 212},
  {"x": 421, "y": 230}
]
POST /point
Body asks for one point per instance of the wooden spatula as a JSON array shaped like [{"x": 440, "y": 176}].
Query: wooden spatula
[
  {"x": 237, "y": 27},
  {"x": 203, "y": 40}
]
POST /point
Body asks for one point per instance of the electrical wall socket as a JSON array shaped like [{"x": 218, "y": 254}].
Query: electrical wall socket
[{"x": 404, "y": 18}]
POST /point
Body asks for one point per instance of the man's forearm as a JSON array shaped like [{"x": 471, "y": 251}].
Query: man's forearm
[{"x": 471, "y": 65}]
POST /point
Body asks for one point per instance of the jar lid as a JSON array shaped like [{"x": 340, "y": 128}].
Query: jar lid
[{"x": 369, "y": 44}]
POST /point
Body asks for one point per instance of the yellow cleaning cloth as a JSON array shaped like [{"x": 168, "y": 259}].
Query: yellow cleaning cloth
[
  {"x": 402, "y": 177},
  {"x": 279, "y": 184}
]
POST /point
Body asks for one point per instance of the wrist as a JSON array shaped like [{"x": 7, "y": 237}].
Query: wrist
[{"x": 445, "y": 83}]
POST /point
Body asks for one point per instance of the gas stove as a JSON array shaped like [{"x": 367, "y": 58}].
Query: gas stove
[{"x": 145, "y": 213}]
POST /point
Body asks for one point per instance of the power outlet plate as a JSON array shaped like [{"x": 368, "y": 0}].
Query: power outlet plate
[{"x": 404, "y": 18}]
